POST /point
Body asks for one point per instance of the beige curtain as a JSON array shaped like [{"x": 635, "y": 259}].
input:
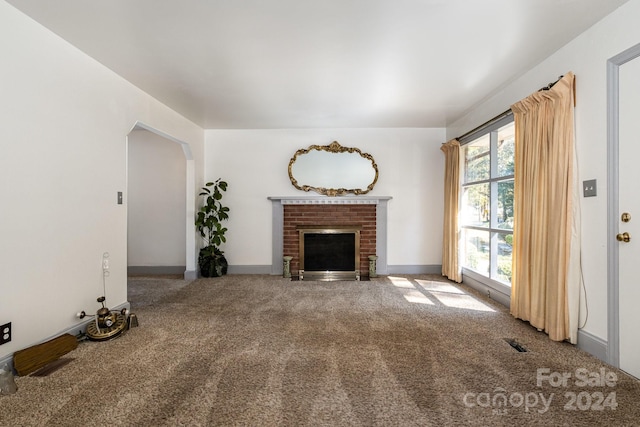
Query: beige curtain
[
  {"x": 450, "y": 257},
  {"x": 545, "y": 279}
]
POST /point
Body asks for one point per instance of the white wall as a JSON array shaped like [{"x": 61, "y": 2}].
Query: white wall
[
  {"x": 586, "y": 56},
  {"x": 254, "y": 163},
  {"x": 156, "y": 186},
  {"x": 65, "y": 119}
]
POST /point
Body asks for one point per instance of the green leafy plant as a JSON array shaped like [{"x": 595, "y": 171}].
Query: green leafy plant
[{"x": 209, "y": 217}]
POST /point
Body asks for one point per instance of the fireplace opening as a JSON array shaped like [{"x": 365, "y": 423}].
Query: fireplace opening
[{"x": 329, "y": 253}]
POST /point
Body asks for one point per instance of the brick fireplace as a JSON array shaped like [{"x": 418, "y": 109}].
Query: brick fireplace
[
  {"x": 320, "y": 216},
  {"x": 290, "y": 214}
]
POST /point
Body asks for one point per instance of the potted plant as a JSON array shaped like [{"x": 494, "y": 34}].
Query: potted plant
[{"x": 211, "y": 259}]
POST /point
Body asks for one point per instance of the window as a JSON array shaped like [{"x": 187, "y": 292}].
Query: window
[{"x": 486, "y": 216}]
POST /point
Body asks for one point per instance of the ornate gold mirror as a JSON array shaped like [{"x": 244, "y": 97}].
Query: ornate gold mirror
[{"x": 333, "y": 170}]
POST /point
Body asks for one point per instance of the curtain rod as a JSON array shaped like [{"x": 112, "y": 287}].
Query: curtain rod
[
  {"x": 550, "y": 85},
  {"x": 487, "y": 123},
  {"x": 505, "y": 113}
]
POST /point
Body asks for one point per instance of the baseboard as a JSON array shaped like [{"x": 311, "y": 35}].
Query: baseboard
[
  {"x": 156, "y": 270},
  {"x": 593, "y": 345},
  {"x": 75, "y": 330},
  {"x": 249, "y": 269},
  {"x": 190, "y": 275},
  {"x": 412, "y": 269},
  {"x": 495, "y": 293}
]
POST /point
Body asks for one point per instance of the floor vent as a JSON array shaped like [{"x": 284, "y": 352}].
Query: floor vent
[{"x": 515, "y": 344}]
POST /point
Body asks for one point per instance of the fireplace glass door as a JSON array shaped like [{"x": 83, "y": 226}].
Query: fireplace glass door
[{"x": 331, "y": 253}]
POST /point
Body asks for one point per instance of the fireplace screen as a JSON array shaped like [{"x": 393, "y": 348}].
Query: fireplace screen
[{"x": 331, "y": 253}]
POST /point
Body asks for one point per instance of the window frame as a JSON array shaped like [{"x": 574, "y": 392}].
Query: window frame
[{"x": 491, "y": 129}]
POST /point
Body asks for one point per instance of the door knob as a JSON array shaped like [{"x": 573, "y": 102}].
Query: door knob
[{"x": 623, "y": 237}]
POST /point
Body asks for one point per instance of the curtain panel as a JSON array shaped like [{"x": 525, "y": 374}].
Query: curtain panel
[
  {"x": 546, "y": 278},
  {"x": 451, "y": 233}
]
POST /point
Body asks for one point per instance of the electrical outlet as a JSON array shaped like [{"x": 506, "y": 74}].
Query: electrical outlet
[
  {"x": 5, "y": 333},
  {"x": 590, "y": 188}
]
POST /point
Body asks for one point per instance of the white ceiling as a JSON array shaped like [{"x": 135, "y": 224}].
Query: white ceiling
[{"x": 259, "y": 64}]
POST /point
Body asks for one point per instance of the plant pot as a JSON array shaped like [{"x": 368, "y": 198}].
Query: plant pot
[{"x": 212, "y": 262}]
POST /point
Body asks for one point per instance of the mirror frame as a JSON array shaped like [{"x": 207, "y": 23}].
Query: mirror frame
[{"x": 334, "y": 147}]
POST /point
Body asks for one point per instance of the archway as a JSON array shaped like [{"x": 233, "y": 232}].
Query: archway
[{"x": 160, "y": 203}]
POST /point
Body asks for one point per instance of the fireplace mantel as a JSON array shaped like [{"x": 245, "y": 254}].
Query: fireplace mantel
[
  {"x": 278, "y": 204},
  {"x": 319, "y": 200}
]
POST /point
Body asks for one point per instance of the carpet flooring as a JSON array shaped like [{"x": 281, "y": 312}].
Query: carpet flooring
[{"x": 259, "y": 350}]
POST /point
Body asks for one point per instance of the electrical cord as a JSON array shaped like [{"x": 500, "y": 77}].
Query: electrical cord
[{"x": 584, "y": 289}]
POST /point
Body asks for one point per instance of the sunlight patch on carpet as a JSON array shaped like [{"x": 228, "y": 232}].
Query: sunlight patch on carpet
[
  {"x": 409, "y": 291},
  {"x": 415, "y": 296},
  {"x": 428, "y": 291},
  {"x": 466, "y": 302},
  {"x": 429, "y": 285},
  {"x": 452, "y": 296},
  {"x": 401, "y": 282}
]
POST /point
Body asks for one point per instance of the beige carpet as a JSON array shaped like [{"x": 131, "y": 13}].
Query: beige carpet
[{"x": 252, "y": 350}]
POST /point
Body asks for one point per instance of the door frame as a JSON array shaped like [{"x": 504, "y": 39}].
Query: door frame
[
  {"x": 191, "y": 271},
  {"x": 613, "y": 141}
]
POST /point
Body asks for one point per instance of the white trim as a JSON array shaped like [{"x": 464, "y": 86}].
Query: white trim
[
  {"x": 190, "y": 229},
  {"x": 315, "y": 200},
  {"x": 613, "y": 280}
]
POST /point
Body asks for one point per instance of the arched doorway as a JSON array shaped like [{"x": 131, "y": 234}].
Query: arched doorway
[{"x": 160, "y": 200}]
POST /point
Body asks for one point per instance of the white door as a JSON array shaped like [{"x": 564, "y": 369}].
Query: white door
[{"x": 629, "y": 202}]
